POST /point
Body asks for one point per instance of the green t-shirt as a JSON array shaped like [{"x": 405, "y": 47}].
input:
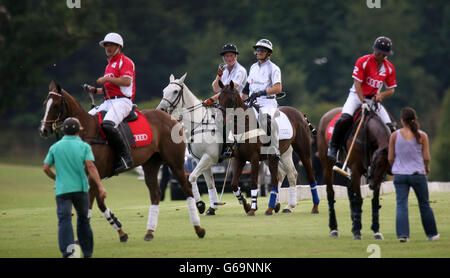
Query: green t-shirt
[{"x": 69, "y": 156}]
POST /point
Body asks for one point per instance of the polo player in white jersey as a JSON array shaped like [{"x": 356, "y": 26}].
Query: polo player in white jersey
[
  {"x": 264, "y": 81},
  {"x": 228, "y": 71}
]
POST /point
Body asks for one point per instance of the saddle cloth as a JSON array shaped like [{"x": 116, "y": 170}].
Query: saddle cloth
[
  {"x": 285, "y": 130},
  {"x": 330, "y": 127},
  {"x": 137, "y": 132}
]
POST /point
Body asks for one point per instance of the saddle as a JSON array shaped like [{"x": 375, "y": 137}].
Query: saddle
[{"x": 135, "y": 129}]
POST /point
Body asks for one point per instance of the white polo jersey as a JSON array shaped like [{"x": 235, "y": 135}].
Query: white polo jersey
[
  {"x": 238, "y": 74},
  {"x": 262, "y": 77}
]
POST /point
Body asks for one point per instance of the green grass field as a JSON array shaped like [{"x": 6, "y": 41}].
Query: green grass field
[{"x": 28, "y": 225}]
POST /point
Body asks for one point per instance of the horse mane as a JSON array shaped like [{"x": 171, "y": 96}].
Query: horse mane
[{"x": 231, "y": 89}]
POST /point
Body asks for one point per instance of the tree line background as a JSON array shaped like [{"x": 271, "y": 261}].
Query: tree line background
[{"x": 316, "y": 44}]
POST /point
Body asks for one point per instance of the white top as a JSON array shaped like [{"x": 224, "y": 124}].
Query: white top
[
  {"x": 262, "y": 77},
  {"x": 238, "y": 74}
]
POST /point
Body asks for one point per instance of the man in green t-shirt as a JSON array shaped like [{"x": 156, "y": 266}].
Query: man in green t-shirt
[{"x": 70, "y": 156}]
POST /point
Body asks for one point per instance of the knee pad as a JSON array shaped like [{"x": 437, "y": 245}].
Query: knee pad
[{"x": 108, "y": 126}]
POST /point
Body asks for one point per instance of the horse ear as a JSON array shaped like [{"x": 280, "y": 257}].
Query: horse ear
[
  {"x": 58, "y": 88},
  {"x": 171, "y": 78},
  {"x": 221, "y": 84},
  {"x": 231, "y": 84},
  {"x": 52, "y": 86},
  {"x": 183, "y": 77}
]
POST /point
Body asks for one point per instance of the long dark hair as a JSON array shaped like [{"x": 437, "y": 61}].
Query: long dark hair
[{"x": 409, "y": 117}]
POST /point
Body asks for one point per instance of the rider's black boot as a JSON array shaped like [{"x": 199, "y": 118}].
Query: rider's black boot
[
  {"x": 125, "y": 161},
  {"x": 340, "y": 128}
]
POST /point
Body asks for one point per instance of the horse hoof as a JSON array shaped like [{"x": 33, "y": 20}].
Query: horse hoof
[
  {"x": 357, "y": 237},
  {"x": 334, "y": 233},
  {"x": 201, "y": 206},
  {"x": 269, "y": 211},
  {"x": 251, "y": 212},
  {"x": 124, "y": 238},
  {"x": 210, "y": 211},
  {"x": 247, "y": 207},
  {"x": 286, "y": 210},
  {"x": 378, "y": 235},
  {"x": 315, "y": 209},
  {"x": 148, "y": 237},
  {"x": 201, "y": 233},
  {"x": 277, "y": 207}
]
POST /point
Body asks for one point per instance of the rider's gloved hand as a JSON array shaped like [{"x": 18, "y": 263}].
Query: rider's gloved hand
[
  {"x": 208, "y": 102},
  {"x": 89, "y": 89},
  {"x": 365, "y": 106},
  {"x": 221, "y": 69}
]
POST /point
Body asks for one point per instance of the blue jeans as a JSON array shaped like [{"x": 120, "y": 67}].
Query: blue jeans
[
  {"x": 420, "y": 186},
  {"x": 80, "y": 201}
]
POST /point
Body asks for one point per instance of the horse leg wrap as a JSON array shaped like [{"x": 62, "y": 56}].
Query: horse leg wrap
[
  {"x": 115, "y": 223},
  {"x": 332, "y": 215},
  {"x": 375, "y": 216},
  {"x": 356, "y": 214},
  {"x": 193, "y": 214},
  {"x": 213, "y": 200},
  {"x": 254, "y": 193},
  {"x": 153, "y": 213},
  {"x": 292, "y": 202},
  {"x": 273, "y": 197},
  {"x": 314, "y": 194},
  {"x": 195, "y": 191},
  {"x": 89, "y": 213},
  {"x": 238, "y": 195}
]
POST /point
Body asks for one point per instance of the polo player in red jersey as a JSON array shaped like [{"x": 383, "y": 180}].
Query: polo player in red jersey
[
  {"x": 369, "y": 74},
  {"x": 118, "y": 89}
]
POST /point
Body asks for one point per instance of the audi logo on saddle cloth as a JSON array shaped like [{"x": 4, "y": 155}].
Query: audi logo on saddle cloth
[{"x": 140, "y": 137}]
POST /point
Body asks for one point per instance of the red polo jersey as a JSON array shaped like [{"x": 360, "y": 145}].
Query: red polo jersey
[
  {"x": 371, "y": 78},
  {"x": 120, "y": 66}
]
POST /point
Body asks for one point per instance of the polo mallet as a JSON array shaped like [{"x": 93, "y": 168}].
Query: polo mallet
[
  {"x": 223, "y": 187},
  {"x": 342, "y": 171}
]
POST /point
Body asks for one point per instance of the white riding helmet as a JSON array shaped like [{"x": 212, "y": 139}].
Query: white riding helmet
[
  {"x": 112, "y": 37},
  {"x": 263, "y": 43}
]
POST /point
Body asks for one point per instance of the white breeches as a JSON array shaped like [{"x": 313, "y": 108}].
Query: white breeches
[
  {"x": 353, "y": 102},
  {"x": 117, "y": 109}
]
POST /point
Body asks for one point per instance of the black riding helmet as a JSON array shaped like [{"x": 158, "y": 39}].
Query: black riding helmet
[
  {"x": 71, "y": 126},
  {"x": 383, "y": 45},
  {"x": 229, "y": 47}
]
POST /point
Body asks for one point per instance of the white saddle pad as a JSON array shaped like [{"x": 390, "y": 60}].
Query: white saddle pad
[{"x": 285, "y": 130}]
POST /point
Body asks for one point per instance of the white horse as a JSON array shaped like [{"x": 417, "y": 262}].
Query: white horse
[
  {"x": 203, "y": 137},
  {"x": 201, "y": 132}
]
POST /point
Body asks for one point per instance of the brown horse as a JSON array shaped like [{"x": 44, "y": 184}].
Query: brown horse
[
  {"x": 369, "y": 156},
  {"x": 59, "y": 105},
  {"x": 251, "y": 151}
]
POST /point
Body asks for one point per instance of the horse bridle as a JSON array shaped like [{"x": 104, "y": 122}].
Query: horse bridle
[
  {"x": 180, "y": 97},
  {"x": 58, "y": 122}
]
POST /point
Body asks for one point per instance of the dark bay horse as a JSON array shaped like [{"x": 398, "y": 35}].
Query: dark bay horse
[
  {"x": 369, "y": 156},
  {"x": 59, "y": 105},
  {"x": 246, "y": 150}
]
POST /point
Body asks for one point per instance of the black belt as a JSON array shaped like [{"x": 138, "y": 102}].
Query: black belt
[
  {"x": 369, "y": 97},
  {"x": 116, "y": 97}
]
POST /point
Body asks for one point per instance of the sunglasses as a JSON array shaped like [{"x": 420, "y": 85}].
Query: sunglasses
[
  {"x": 108, "y": 44},
  {"x": 261, "y": 49}
]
